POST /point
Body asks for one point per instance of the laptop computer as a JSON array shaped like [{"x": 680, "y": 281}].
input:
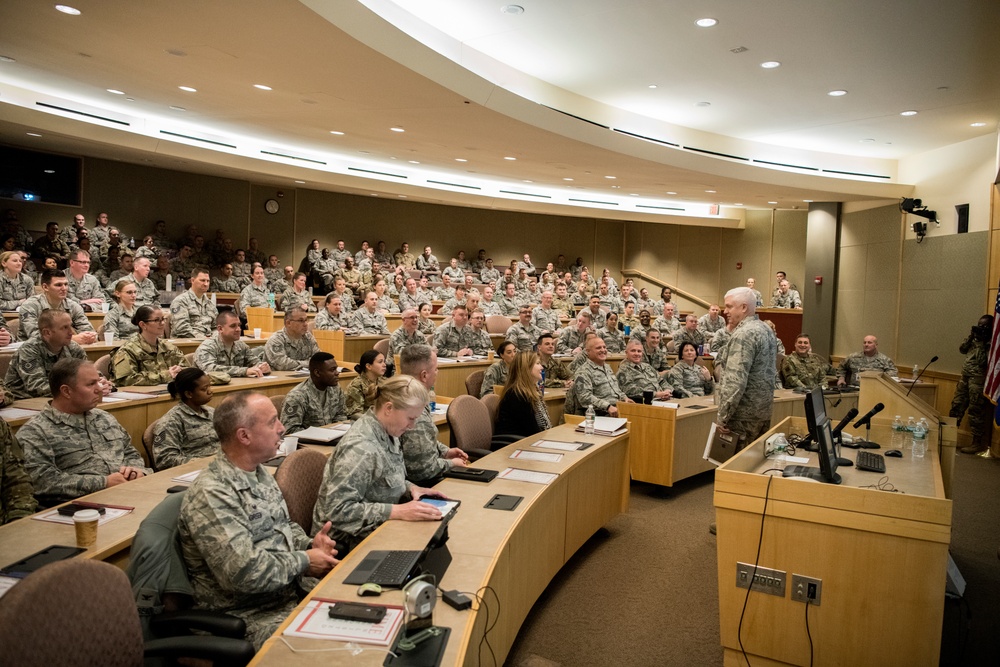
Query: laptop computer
[{"x": 392, "y": 569}]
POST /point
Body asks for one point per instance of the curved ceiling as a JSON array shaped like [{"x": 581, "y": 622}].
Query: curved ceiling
[{"x": 460, "y": 126}]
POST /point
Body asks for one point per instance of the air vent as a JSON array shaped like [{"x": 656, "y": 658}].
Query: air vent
[
  {"x": 639, "y": 136},
  {"x": 456, "y": 185},
  {"x": 594, "y": 201},
  {"x": 377, "y": 173},
  {"x": 782, "y": 164},
  {"x": 205, "y": 141},
  {"x": 660, "y": 208},
  {"x": 566, "y": 113},
  {"x": 294, "y": 157},
  {"x": 716, "y": 153},
  {"x": 739, "y": 49},
  {"x": 525, "y": 194},
  {"x": 84, "y": 113},
  {"x": 854, "y": 173}
]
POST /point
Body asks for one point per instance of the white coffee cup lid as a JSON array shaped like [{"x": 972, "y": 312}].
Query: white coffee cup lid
[{"x": 86, "y": 515}]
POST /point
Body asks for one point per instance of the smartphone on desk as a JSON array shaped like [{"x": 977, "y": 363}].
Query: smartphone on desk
[
  {"x": 355, "y": 611},
  {"x": 73, "y": 508}
]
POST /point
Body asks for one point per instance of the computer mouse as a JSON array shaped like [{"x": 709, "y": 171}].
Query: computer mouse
[
  {"x": 894, "y": 452},
  {"x": 369, "y": 589}
]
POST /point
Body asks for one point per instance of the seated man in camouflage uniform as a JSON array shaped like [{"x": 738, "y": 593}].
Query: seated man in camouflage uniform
[
  {"x": 802, "y": 368},
  {"x": 226, "y": 282},
  {"x": 785, "y": 297},
  {"x": 71, "y": 448},
  {"x": 454, "y": 339},
  {"x": 869, "y": 359},
  {"x": 711, "y": 321},
  {"x": 635, "y": 376},
  {"x": 17, "y": 495},
  {"x": 407, "y": 334},
  {"x": 653, "y": 354},
  {"x": 192, "y": 313},
  {"x": 523, "y": 333},
  {"x": 244, "y": 556},
  {"x": 457, "y": 299},
  {"x": 291, "y": 348},
  {"x": 28, "y": 373},
  {"x": 595, "y": 383},
  {"x": 55, "y": 289},
  {"x": 572, "y": 338},
  {"x": 148, "y": 294},
  {"x": 332, "y": 317},
  {"x": 368, "y": 319},
  {"x": 225, "y": 352},
  {"x": 317, "y": 400},
  {"x": 688, "y": 334},
  {"x": 557, "y": 374},
  {"x": 84, "y": 288},
  {"x": 544, "y": 316},
  {"x": 510, "y": 303}
]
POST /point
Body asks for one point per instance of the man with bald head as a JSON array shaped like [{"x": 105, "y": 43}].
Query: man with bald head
[
  {"x": 408, "y": 334},
  {"x": 869, "y": 359},
  {"x": 595, "y": 383}
]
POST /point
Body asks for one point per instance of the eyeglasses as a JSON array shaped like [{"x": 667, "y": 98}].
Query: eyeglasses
[
  {"x": 81, "y": 261},
  {"x": 155, "y": 320}
]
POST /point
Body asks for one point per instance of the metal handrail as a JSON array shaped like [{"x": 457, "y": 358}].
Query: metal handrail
[{"x": 633, "y": 273}]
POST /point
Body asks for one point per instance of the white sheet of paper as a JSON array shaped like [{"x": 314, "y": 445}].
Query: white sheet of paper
[
  {"x": 557, "y": 444},
  {"x": 17, "y": 413},
  {"x": 7, "y": 583},
  {"x": 187, "y": 477},
  {"x": 536, "y": 456},
  {"x": 313, "y": 622},
  {"x": 53, "y": 516},
  {"x": 666, "y": 404},
  {"x": 519, "y": 475}
]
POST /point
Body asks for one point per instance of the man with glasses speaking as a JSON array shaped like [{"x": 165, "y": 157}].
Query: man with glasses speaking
[{"x": 84, "y": 287}]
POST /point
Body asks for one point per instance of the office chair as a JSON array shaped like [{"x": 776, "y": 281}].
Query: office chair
[
  {"x": 472, "y": 427},
  {"x": 299, "y": 478},
  {"x": 474, "y": 383}
]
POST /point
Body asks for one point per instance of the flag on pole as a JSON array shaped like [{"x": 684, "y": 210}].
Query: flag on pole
[{"x": 992, "y": 386}]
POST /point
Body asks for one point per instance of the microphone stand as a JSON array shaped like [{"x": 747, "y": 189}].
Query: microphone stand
[{"x": 868, "y": 444}]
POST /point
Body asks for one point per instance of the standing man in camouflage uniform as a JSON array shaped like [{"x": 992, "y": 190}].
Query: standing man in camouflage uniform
[
  {"x": 28, "y": 373},
  {"x": 225, "y": 352},
  {"x": 291, "y": 348},
  {"x": 523, "y": 333},
  {"x": 317, "y": 400},
  {"x": 802, "y": 368},
  {"x": 55, "y": 289},
  {"x": 407, "y": 334},
  {"x": 425, "y": 458},
  {"x": 635, "y": 376},
  {"x": 148, "y": 294},
  {"x": 368, "y": 319},
  {"x": 84, "y": 288},
  {"x": 192, "y": 314},
  {"x": 99, "y": 234},
  {"x": 969, "y": 392},
  {"x": 71, "y": 448},
  {"x": 869, "y": 359},
  {"x": 243, "y": 554},
  {"x": 595, "y": 383},
  {"x": 454, "y": 339},
  {"x": 17, "y": 495}
]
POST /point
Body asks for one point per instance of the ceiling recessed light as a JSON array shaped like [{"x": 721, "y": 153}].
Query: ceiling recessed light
[
  {"x": 837, "y": 93},
  {"x": 7, "y": 59},
  {"x": 460, "y": 159},
  {"x": 772, "y": 202},
  {"x": 633, "y": 194},
  {"x": 868, "y": 141},
  {"x": 616, "y": 187},
  {"x": 66, "y": 9},
  {"x": 261, "y": 86},
  {"x": 401, "y": 196},
  {"x": 911, "y": 112},
  {"x": 770, "y": 64},
  {"x": 397, "y": 129},
  {"x": 711, "y": 192},
  {"x": 130, "y": 99},
  {"x": 706, "y": 23},
  {"x": 49, "y": 171},
  {"x": 300, "y": 182},
  {"x": 978, "y": 125},
  {"x": 33, "y": 134},
  {"x": 512, "y": 9},
  {"x": 671, "y": 193},
  {"x": 703, "y": 104},
  {"x": 808, "y": 201},
  {"x": 188, "y": 89},
  {"x": 414, "y": 162},
  {"x": 652, "y": 86},
  {"x": 611, "y": 177},
  {"x": 510, "y": 158},
  {"x": 175, "y": 108},
  {"x": 567, "y": 179},
  {"x": 527, "y": 181},
  {"x": 337, "y": 132},
  {"x": 113, "y": 91},
  {"x": 739, "y": 203}
]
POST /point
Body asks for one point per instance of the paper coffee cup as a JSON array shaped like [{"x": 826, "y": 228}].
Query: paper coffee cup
[
  {"x": 109, "y": 337},
  {"x": 104, "y": 307},
  {"x": 289, "y": 444},
  {"x": 256, "y": 333},
  {"x": 85, "y": 522}
]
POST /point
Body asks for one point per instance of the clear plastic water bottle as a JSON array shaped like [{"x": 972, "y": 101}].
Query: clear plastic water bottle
[
  {"x": 916, "y": 371},
  {"x": 541, "y": 384},
  {"x": 911, "y": 424},
  {"x": 180, "y": 284},
  {"x": 588, "y": 420},
  {"x": 897, "y": 433},
  {"x": 919, "y": 445},
  {"x": 270, "y": 300}
]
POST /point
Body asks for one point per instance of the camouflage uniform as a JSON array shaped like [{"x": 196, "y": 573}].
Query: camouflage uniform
[
  {"x": 631, "y": 322},
  {"x": 45, "y": 247},
  {"x": 636, "y": 378},
  {"x": 384, "y": 259},
  {"x": 426, "y": 326},
  {"x": 244, "y": 556},
  {"x": 14, "y": 291},
  {"x": 746, "y": 393},
  {"x": 707, "y": 326},
  {"x": 509, "y": 305},
  {"x": 491, "y": 308},
  {"x": 685, "y": 335},
  {"x": 280, "y": 286},
  {"x": 454, "y": 275},
  {"x": 254, "y": 297},
  {"x": 191, "y": 316},
  {"x": 524, "y": 337},
  {"x": 306, "y": 405},
  {"x": 135, "y": 363},
  {"x": 720, "y": 340},
  {"x": 760, "y": 299},
  {"x": 182, "y": 268},
  {"x": 148, "y": 294},
  {"x": 243, "y": 273},
  {"x": 488, "y": 276},
  {"x": 356, "y": 396},
  {"x": 969, "y": 392},
  {"x": 386, "y": 303},
  {"x": 564, "y": 306},
  {"x": 443, "y": 293},
  {"x": 449, "y": 339},
  {"x": 184, "y": 433},
  {"x": 28, "y": 373},
  {"x": 856, "y": 362},
  {"x": 68, "y": 456},
  {"x": 340, "y": 255},
  {"x": 407, "y": 300},
  {"x": 159, "y": 279},
  {"x": 118, "y": 322},
  {"x": 366, "y": 323},
  {"x": 326, "y": 322},
  {"x": 570, "y": 339},
  {"x": 352, "y": 278},
  {"x": 667, "y": 327},
  {"x": 613, "y": 339},
  {"x": 405, "y": 259},
  {"x": 230, "y": 284},
  {"x": 596, "y": 385},
  {"x": 556, "y": 373},
  {"x": 789, "y": 300},
  {"x": 291, "y": 299},
  {"x": 272, "y": 275},
  {"x": 284, "y": 354},
  {"x": 212, "y": 356},
  {"x": 657, "y": 358},
  {"x": 33, "y": 307},
  {"x": 423, "y": 454},
  {"x": 598, "y": 319},
  {"x": 17, "y": 496},
  {"x": 650, "y": 305},
  {"x": 481, "y": 342},
  {"x": 365, "y": 477},
  {"x": 496, "y": 374},
  {"x": 427, "y": 263},
  {"x": 688, "y": 381},
  {"x": 546, "y": 319},
  {"x": 99, "y": 238},
  {"x": 808, "y": 371},
  {"x": 450, "y": 305}
]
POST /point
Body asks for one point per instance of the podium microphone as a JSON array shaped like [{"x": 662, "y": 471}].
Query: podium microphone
[
  {"x": 914, "y": 383},
  {"x": 851, "y": 414},
  {"x": 867, "y": 422}
]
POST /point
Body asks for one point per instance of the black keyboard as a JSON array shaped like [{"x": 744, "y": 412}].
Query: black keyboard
[
  {"x": 870, "y": 461},
  {"x": 394, "y": 567}
]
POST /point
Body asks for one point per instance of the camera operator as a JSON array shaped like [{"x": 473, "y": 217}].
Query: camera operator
[{"x": 969, "y": 393}]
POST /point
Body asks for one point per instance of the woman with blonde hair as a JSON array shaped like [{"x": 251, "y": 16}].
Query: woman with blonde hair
[
  {"x": 15, "y": 286},
  {"x": 364, "y": 484},
  {"x": 119, "y": 318},
  {"x": 522, "y": 410},
  {"x": 361, "y": 391}
]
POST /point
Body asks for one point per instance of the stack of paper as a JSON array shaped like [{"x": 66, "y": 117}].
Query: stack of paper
[
  {"x": 606, "y": 426},
  {"x": 322, "y": 434}
]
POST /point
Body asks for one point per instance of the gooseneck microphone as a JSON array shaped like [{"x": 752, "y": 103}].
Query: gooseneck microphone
[
  {"x": 851, "y": 414},
  {"x": 866, "y": 420},
  {"x": 920, "y": 374}
]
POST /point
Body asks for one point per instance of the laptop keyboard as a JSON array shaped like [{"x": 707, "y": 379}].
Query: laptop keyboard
[{"x": 395, "y": 566}]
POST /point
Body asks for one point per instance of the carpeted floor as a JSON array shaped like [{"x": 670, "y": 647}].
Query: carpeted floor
[{"x": 597, "y": 611}]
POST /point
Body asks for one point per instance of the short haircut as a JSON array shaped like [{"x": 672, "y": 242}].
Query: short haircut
[
  {"x": 543, "y": 337},
  {"x": 804, "y": 335},
  {"x": 224, "y": 316},
  {"x": 402, "y": 391},
  {"x": 687, "y": 343},
  {"x": 48, "y": 318},
  {"x": 415, "y": 358},
  {"x": 198, "y": 270},
  {"x": 458, "y": 308},
  {"x": 233, "y": 413},
  {"x": 298, "y": 274},
  {"x": 79, "y": 254},
  {"x": 317, "y": 360},
  {"x": 48, "y": 275},
  {"x": 64, "y": 372}
]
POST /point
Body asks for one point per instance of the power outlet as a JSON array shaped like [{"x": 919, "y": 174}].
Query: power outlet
[
  {"x": 765, "y": 580},
  {"x": 807, "y": 589}
]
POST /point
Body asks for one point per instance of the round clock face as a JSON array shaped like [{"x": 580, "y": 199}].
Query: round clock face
[{"x": 271, "y": 206}]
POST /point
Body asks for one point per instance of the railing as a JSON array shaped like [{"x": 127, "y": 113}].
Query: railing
[{"x": 678, "y": 292}]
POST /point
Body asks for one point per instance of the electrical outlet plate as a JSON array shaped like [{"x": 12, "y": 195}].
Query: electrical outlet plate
[
  {"x": 765, "y": 580},
  {"x": 807, "y": 588}
]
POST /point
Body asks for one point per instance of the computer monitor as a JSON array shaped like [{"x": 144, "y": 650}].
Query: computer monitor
[
  {"x": 827, "y": 471},
  {"x": 815, "y": 415}
]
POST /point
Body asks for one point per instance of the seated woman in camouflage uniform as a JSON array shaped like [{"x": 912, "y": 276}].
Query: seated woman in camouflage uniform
[
  {"x": 361, "y": 392},
  {"x": 425, "y": 324},
  {"x": 119, "y": 318},
  {"x": 497, "y": 372},
  {"x": 186, "y": 431},
  {"x": 145, "y": 358},
  {"x": 614, "y": 339},
  {"x": 297, "y": 296},
  {"x": 686, "y": 377}
]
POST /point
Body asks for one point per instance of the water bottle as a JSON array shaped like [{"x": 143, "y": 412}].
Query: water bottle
[
  {"x": 916, "y": 372},
  {"x": 588, "y": 420},
  {"x": 897, "y": 433},
  {"x": 215, "y": 301},
  {"x": 919, "y": 445},
  {"x": 910, "y": 424},
  {"x": 270, "y": 300},
  {"x": 541, "y": 384},
  {"x": 180, "y": 284},
  {"x": 131, "y": 242}
]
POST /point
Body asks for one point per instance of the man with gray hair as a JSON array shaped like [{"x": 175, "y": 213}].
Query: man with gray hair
[
  {"x": 572, "y": 337},
  {"x": 148, "y": 294},
  {"x": 407, "y": 334},
  {"x": 84, "y": 287},
  {"x": 426, "y": 459},
  {"x": 544, "y": 316},
  {"x": 243, "y": 554}
]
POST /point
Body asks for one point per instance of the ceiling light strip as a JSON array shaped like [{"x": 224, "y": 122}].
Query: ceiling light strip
[
  {"x": 206, "y": 141},
  {"x": 594, "y": 201},
  {"x": 524, "y": 194},
  {"x": 855, "y": 173},
  {"x": 455, "y": 185},
  {"x": 661, "y": 208},
  {"x": 83, "y": 113},
  {"x": 716, "y": 153},
  {"x": 294, "y": 157},
  {"x": 790, "y": 166},
  {"x": 639, "y": 136},
  {"x": 377, "y": 173},
  {"x": 585, "y": 120}
]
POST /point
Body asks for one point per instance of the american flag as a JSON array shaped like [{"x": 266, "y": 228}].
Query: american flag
[{"x": 992, "y": 387}]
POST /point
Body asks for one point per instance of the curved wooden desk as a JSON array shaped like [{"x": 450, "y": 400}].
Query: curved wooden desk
[{"x": 515, "y": 553}]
